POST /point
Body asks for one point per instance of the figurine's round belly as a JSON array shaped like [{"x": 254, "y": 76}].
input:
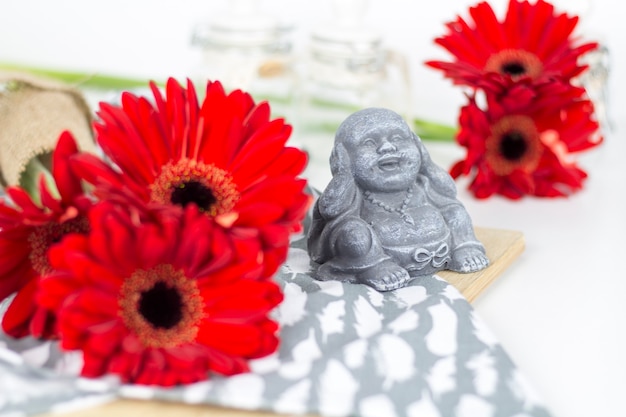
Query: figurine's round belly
[
  {"x": 418, "y": 241},
  {"x": 419, "y": 225}
]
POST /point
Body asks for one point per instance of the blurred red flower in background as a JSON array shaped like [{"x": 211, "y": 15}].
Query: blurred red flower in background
[
  {"x": 532, "y": 41},
  {"x": 28, "y": 230},
  {"x": 519, "y": 143}
]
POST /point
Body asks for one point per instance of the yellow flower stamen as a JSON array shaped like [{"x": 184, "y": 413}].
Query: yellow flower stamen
[
  {"x": 161, "y": 306},
  {"x": 517, "y": 63},
  {"x": 42, "y": 237},
  {"x": 190, "y": 181},
  {"x": 514, "y": 144}
]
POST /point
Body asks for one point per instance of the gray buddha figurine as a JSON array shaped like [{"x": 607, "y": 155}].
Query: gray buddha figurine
[{"x": 389, "y": 214}]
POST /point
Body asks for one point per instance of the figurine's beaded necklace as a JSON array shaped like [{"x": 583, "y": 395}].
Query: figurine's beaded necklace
[{"x": 400, "y": 210}]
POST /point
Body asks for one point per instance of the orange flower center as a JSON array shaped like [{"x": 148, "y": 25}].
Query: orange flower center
[
  {"x": 189, "y": 181},
  {"x": 517, "y": 63},
  {"x": 161, "y": 306},
  {"x": 42, "y": 237},
  {"x": 514, "y": 144}
]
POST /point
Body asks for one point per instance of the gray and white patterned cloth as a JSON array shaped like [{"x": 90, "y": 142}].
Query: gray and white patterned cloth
[{"x": 346, "y": 350}]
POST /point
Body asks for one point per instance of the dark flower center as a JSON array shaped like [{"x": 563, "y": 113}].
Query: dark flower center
[
  {"x": 188, "y": 181},
  {"x": 43, "y": 237},
  {"x": 513, "y": 145},
  {"x": 161, "y": 305},
  {"x": 193, "y": 192},
  {"x": 514, "y": 68},
  {"x": 514, "y": 62}
]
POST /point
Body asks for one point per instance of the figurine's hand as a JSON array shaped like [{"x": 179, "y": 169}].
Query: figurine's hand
[
  {"x": 339, "y": 160},
  {"x": 338, "y": 197},
  {"x": 340, "y": 193}
]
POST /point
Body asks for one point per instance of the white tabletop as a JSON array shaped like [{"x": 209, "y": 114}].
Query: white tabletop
[{"x": 559, "y": 310}]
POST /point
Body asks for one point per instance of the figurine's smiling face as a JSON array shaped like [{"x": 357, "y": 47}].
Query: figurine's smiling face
[{"x": 385, "y": 158}]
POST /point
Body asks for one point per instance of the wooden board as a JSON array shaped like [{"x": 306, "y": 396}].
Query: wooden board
[
  {"x": 141, "y": 408},
  {"x": 502, "y": 246}
]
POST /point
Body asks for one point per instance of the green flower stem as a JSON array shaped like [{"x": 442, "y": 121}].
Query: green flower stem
[
  {"x": 427, "y": 130},
  {"x": 29, "y": 179},
  {"x": 80, "y": 79}
]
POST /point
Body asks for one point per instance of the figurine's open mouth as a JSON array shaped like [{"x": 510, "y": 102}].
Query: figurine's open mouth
[{"x": 389, "y": 163}]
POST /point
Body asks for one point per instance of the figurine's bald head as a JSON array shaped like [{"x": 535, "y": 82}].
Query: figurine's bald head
[
  {"x": 361, "y": 123},
  {"x": 378, "y": 148}
]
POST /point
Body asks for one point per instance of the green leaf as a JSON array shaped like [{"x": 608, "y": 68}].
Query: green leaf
[{"x": 427, "y": 130}]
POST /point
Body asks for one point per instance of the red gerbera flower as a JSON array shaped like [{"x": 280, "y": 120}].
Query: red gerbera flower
[
  {"x": 532, "y": 41},
  {"x": 520, "y": 143},
  {"x": 225, "y": 156},
  {"x": 28, "y": 230},
  {"x": 161, "y": 302}
]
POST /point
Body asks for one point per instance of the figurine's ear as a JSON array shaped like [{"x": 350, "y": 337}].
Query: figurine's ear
[
  {"x": 439, "y": 178},
  {"x": 339, "y": 159}
]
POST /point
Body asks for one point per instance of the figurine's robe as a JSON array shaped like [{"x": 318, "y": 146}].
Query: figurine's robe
[{"x": 424, "y": 246}]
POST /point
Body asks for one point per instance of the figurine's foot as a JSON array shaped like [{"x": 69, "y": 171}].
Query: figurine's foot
[
  {"x": 468, "y": 260},
  {"x": 385, "y": 276},
  {"x": 327, "y": 273}
]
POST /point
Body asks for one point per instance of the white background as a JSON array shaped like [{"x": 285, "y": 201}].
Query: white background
[{"x": 560, "y": 310}]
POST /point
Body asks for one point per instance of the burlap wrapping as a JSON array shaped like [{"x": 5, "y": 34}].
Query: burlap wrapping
[{"x": 33, "y": 113}]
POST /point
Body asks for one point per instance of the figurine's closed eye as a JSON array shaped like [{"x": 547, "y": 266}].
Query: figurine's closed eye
[
  {"x": 369, "y": 142},
  {"x": 398, "y": 137}
]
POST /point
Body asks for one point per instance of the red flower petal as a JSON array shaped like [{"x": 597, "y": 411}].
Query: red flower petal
[
  {"x": 15, "y": 321},
  {"x": 68, "y": 184},
  {"x": 223, "y": 155},
  {"x": 103, "y": 308},
  {"x": 533, "y": 29}
]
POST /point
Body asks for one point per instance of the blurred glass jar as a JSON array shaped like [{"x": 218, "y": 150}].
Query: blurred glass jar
[
  {"x": 596, "y": 78},
  {"x": 346, "y": 68},
  {"x": 246, "y": 49}
]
